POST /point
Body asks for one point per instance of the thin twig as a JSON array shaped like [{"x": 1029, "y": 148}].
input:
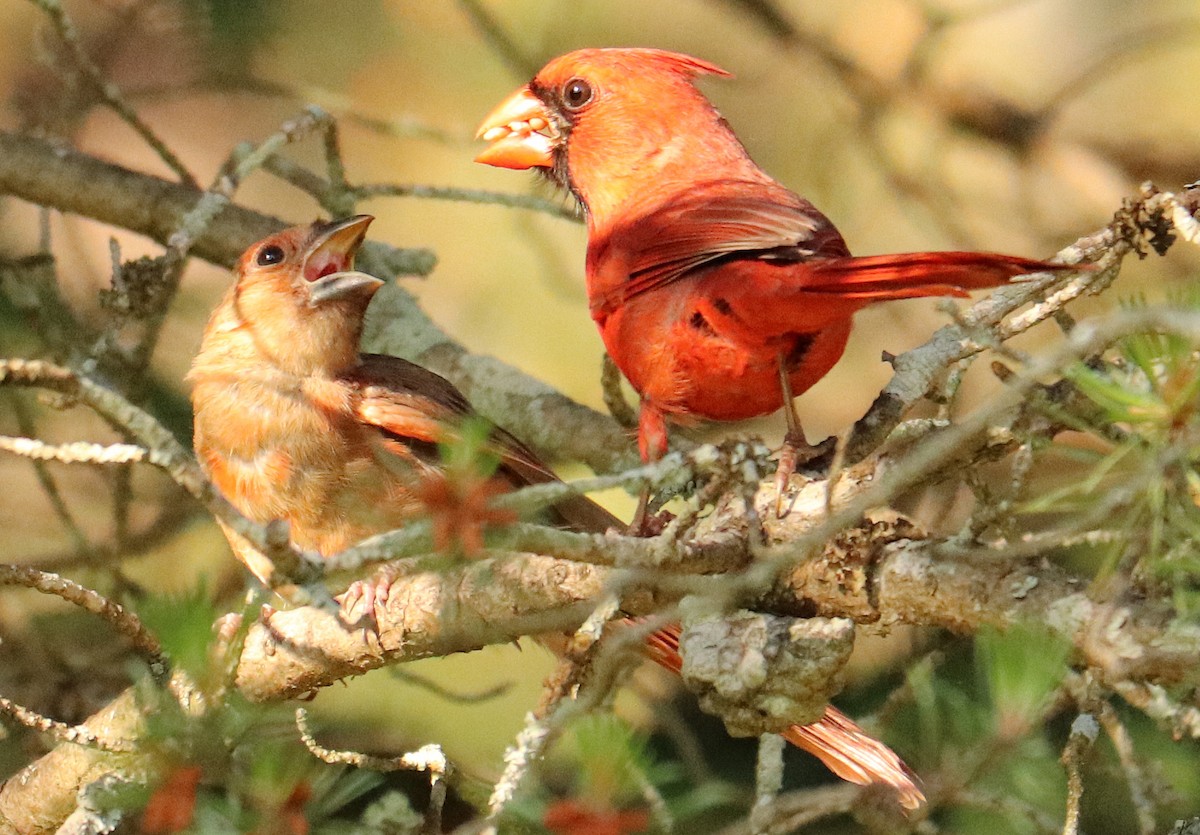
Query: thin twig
[
  {"x": 428, "y": 684},
  {"x": 76, "y": 734},
  {"x": 543, "y": 725},
  {"x": 495, "y": 37},
  {"x": 524, "y": 750},
  {"x": 121, "y": 619},
  {"x": 554, "y": 208},
  {"x": 50, "y": 484},
  {"x": 768, "y": 780},
  {"x": 1084, "y": 731},
  {"x": 1135, "y": 777},
  {"x": 77, "y": 452},
  {"x": 614, "y": 397},
  {"x": 171, "y": 517},
  {"x": 107, "y": 91},
  {"x": 426, "y": 758},
  {"x": 791, "y": 811}
]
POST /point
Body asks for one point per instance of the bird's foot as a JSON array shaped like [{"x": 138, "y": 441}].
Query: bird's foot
[
  {"x": 645, "y": 523},
  {"x": 650, "y": 524},
  {"x": 364, "y": 602},
  {"x": 795, "y": 452}
]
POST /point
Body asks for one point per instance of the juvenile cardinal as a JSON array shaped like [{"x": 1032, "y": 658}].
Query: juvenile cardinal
[
  {"x": 293, "y": 423},
  {"x": 719, "y": 293}
]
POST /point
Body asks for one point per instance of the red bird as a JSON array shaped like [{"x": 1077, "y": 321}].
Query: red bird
[
  {"x": 718, "y": 292},
  {"x": 293, "y": 423}
]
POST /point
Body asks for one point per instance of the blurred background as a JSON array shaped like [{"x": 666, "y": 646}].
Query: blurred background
[{"x": 975, "y": 124}]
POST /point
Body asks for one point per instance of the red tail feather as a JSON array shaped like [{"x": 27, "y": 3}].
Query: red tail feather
[
  {"x": 845, "y": 748},
  {"x": 914, "y": 274}
]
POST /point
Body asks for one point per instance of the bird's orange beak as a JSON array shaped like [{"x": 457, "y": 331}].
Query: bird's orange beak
[
  {"x": 329, "y": 260},
  {"x": 521, "y": 133}
]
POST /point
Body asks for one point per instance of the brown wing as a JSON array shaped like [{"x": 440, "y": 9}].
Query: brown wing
[
  {"x": 419, "y": 409},
  {"x": 717, "y": 221}
]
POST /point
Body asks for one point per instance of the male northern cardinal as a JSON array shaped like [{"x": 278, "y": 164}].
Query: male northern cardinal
[
  {"x": 293, "y": 423},
  {"x": 718, "y": 292}
]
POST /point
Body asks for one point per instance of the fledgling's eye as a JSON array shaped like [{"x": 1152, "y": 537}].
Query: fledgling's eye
[
  {"x": 268, "y": 255},
  {"x": 576, "y": 93}
]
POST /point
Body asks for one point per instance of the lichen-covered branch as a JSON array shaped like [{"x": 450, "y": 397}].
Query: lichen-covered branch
[
  {"x": 120, "y": 618},
  {"x": 39, "y": 797},
  {"x": 427, "y": 614},
  {"x": 883, "y": 571},
  {"x": 62, "y": 178},
  {"x": 1146, "y": 221}
]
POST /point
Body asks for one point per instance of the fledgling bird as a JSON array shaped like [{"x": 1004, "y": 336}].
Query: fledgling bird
[
  {"x": 293, "y": 423},
  {"x": 718, "y": 292}
]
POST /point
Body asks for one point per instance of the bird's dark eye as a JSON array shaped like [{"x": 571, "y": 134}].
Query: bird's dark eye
[
  {"x": 576, "y": 93},
  {"x": 269, "y": 255}
]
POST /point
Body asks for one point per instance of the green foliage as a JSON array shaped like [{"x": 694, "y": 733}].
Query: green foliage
[
  {"x": 469, "y": 451},
  {"x": 253, "y": 767},
  {"x": 615, "y": 758},
  {"x": 183, "y": 624},
  {"x": 604, "y": 768},
  {"x": 1022, "y": 668},
  {"x": 1140, "y": 481},
  {"x": 391, "y": 814},
  {"x": 977, "y": 721}
]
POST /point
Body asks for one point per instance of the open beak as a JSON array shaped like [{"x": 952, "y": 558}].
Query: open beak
[
  {"x": 521, "y": 133},
  {"x": 329, "y": 261}
]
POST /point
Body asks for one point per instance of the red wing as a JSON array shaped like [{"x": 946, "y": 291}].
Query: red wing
[{"x": 715, "y": 221}]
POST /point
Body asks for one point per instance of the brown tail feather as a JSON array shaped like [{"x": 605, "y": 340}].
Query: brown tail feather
[
  {"x": 579, "y": 513},
  {"x": 915, "y": 274},
  {"x": 845, "y": 748}
]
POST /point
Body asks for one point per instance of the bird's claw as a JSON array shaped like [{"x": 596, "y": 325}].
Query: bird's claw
[
  {"x": 650, "y": 524},
  {"x": 645, "y": 523},
  {"x": 795, "y": 452},
  {"x": 363, "y": 604}
]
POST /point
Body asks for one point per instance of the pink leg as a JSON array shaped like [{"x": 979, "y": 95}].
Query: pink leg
[
  {"x": 796, "y": 449},
  {"x": 652, "y": 444}
]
